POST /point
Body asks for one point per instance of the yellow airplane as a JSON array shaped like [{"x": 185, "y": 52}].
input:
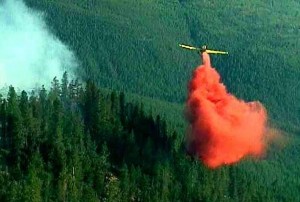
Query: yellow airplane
[{"x": 203, "y": 49}]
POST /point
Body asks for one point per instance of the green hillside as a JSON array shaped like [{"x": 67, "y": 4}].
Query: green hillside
[
  {"x": 133, "y": 46},
  {"x": 84, "y": 144}
]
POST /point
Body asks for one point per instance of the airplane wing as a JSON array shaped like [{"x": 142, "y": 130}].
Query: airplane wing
[
  {"x": 188, "y": 47},
  {"x": 203, "y": 50},
  {"x": 216, "y": 52}
]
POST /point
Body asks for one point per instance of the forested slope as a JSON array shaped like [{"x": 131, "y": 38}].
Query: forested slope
[
  {"x": 133, "y": 46},
  {"x": 75, "y": 143}
]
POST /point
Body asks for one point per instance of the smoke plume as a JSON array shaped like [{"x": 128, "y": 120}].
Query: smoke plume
[
  {"x": 30, "y": 55},
  {"x": 223, "y": 129}
]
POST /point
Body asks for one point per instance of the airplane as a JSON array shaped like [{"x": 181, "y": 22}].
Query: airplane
[{"x": 203, "y": 49}]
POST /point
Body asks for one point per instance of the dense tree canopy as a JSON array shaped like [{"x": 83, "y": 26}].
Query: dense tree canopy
[
  {"x": 132, "y": 46},
  {"x": 83, "y": 141},
  {"x": 79, "y": 143}
]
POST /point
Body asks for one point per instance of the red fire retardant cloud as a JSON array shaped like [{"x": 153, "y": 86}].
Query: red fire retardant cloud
[{"x": 223, "y": 129}]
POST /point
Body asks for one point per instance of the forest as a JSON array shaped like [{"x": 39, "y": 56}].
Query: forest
[
  {"x": 77, "y": 142},
  {"x": 117, "y": 133},
  {"x": 132, "y": 46}
]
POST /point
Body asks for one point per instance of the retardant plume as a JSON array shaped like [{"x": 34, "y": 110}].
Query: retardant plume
[
  {"x": 223, "y": 129},
  {"x": 29, "y": 54}
]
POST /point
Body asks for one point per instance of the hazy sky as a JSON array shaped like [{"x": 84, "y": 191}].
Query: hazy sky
[{"x": 29, "y": 54}]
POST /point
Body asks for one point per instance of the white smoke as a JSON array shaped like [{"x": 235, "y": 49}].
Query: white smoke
[{"x": 30, "y": 55}]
